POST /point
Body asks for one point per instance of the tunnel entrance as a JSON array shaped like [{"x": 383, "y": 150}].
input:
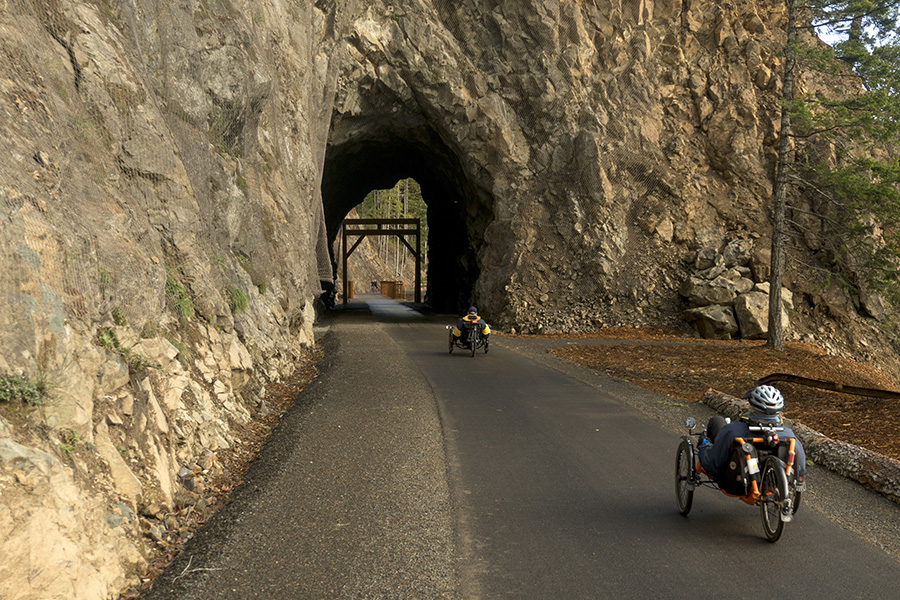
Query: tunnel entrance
[{"x": 457, "y": 211}]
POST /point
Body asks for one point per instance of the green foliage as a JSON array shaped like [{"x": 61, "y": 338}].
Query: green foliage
[
  {"x": 118, "y": 315},
  {"x": 865, "y": 57},
  {"x": 34, "y": 391},
  {"x": 68, "y": 451},
  {"x": 848, "y": 138},
  {"x": 70, "y": 436},
  {"x": 403, "y": 200},
  {"x": 221, "y": 262},
  {"x": 180, "y": 297},
  {"x": 149, "y": 330},
  {"x": 104, "y": 276},
  {"x": 108, "y": 10},
  {"x": 675, "y": 404},
  {"x": 238, "y": 300},
  {"x": 184, "y": 352},
  {"x": 20, "y": 389},
  {"x": 870, "y": 191},
  {"x": 108, "y": 339},
  {"x": 225, "y": 124},
  {"x": 69, "y": 442},
  {"x": 855, "y": 22}
]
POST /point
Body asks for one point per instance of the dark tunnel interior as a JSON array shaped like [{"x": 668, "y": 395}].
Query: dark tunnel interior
[{"x": 457, "y": 213}]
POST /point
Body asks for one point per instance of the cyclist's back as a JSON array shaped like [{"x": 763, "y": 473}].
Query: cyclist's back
[{"x": 766, "y": 404}]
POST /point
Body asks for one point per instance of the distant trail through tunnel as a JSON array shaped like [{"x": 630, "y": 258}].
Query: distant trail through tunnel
[{"x": 458, "y": 213}]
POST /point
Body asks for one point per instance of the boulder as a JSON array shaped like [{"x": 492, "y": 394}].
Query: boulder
[
  {"x": 706, "y": 259},
  {"x": 713, "y": 322},
  {"x": 124, "y": 479},
  {"x": 737, "y": 253},
  {"x": 787, "y": 296},
  {"x": 872, "y": 304},
  {"x": 752, "y": 310},
  {"x": 761, "y": 263},
  {"x": 722, "y": 290}
]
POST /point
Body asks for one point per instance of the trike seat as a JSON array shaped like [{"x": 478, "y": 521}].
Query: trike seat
[{"x": 735, "y": 479}]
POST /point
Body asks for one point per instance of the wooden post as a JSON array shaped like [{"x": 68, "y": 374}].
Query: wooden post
[
  {"x": 418, "y": 296},
  {"x": 344, "y": 261}
]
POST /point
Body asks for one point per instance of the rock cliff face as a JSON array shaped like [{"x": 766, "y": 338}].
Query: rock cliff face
[
  {"x": 577, "y": 158},
  {"x": 173, "y": 175},
  {"x": 161, "y": 242}
]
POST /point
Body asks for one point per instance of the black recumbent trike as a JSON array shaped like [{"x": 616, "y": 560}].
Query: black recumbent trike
[
  {"x": 471, "y": 339},
  {"x": 760, "y": 471}
]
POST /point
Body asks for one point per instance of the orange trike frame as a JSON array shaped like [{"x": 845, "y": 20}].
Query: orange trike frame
[{"x": 754, "y": 495}]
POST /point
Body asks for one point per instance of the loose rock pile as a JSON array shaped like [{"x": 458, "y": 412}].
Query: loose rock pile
[{"x": 728, "y": 293}]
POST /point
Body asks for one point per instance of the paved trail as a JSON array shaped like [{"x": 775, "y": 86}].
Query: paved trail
[{"x": 405, "y": 472}]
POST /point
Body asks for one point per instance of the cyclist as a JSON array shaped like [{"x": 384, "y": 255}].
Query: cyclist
[
  {"x": 766, "y": 404},
  {"x": 471, "y": 317}
]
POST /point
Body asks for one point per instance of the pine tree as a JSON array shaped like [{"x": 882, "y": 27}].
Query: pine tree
[{"x": 843, "y": 142}]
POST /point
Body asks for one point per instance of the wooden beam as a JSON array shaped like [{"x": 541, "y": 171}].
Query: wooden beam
[{"x": 380, "y": 229}]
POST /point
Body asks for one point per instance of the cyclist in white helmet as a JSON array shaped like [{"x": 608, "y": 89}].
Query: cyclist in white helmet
[{"x": 766, "y": 404}]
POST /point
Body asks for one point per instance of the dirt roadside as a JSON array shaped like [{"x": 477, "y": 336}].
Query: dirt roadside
[{"x": 684, "y": 368}]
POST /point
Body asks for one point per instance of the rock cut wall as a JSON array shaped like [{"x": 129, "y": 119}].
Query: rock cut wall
[
  {"x": 608, "y": 141},
  {"x": 601, "y": 147},
  {"x": 161, "y": 246}
]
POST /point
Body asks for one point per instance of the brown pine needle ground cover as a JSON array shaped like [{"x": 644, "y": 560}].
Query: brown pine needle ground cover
[{"x": 684, "y": 368}]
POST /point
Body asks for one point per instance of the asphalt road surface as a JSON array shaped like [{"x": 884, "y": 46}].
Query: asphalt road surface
[{"x": 408, "y": 472}]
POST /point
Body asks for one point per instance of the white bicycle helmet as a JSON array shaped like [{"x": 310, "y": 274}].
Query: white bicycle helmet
[{"x": 765, "y": 400}]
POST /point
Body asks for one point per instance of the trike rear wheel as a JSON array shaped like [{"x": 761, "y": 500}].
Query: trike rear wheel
[{"x": 774, "y": 492}]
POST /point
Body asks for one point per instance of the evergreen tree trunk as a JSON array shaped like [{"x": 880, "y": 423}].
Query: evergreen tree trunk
[{"x": 776, "y": 331}]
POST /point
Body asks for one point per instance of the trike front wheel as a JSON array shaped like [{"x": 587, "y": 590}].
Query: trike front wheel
[{"x": 684, "y": 480}]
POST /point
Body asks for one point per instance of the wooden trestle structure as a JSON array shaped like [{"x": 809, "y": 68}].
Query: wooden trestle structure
[{"x": 398, "y": 227}]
